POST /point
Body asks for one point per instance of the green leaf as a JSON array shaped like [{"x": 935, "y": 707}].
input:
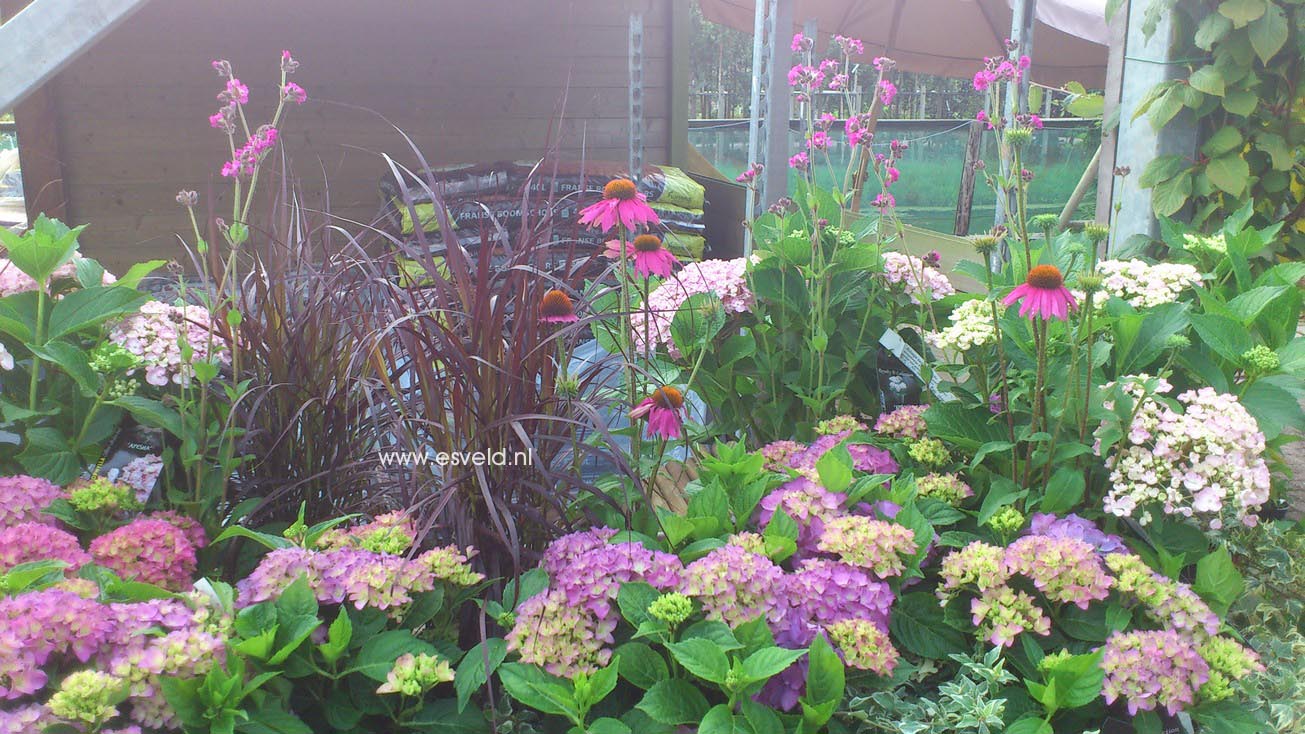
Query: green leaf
[
  {"x": 72, "y": 359},
  {"x": 1227, "y": 717},
  {"x": 769, "y": 661},
  {"x": 90, "y": 306},
  {"x": 1064, "y": 491},
  {"x": 1274, "y": 408},
  {"x": 1241, "y": 12},
  {"x": 1230, "y": 173},
  {"x": 1029, "y": 725},
  {"x": 1207, "y": 79},
  {"x": 46, "y": 246},
  {"x": 1269, "y": 33},
  {"x": 1170, "y": 196},
  {"x": 917, "y": 623},
  {"x": 1240, "y": 101},
  {"x": 717, "y": 632},
  {"x": 1147, "y": 722},
  {"x": 338, "y": 637},
  {"x": 701, "y": 657},
  {"x": 1280, "y": 153},
  {"x": 641, "y": 665},
  {"x": 1218, "y": 580},
  {"x": 273, "y": 721},
  {"x": 835, "y": 469},
  {"x": 608, "y": 725},
  {"x": 1211, "y": 30},
  {"x": 1161, "y": 169},
  {"x": 1225, "y": 336},
  {"x": 758, "y": 719},
  {"x": 674, "y": 702},
  {"x": 1225, "y": 140},
  {"x": 151, "y": 413},
  {"x": 1248, "y": 306},
  {"x": 633, "y": 599},
  {"x": 136, "y": 273},
  {"x": 476, "y": 666},
  {"x": 967, "y": 428},
  {"x": 538, "y": 690},
  {"x": 826, "y": 677},
  {"x": 1165, "y": 107},
  {"x": 718, "y": 720},
  {"x": 48, "y": 455},
  {"x": 18, "y": 315},
  {"x": 697, "y": 321},
  {"x": 265, "y": 539}
]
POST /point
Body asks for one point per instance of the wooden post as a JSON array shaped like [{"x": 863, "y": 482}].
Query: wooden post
[
  {"x": 678, "y": 145},
  {"x": 779, "y": 98},
  {"x": 40, "y": 155},
  {"x": 1113, "y": 94},
  {"x": 965, "y": 198}
]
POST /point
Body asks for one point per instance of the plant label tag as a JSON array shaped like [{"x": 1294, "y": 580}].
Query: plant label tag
[{"x": 893, "y": 342}]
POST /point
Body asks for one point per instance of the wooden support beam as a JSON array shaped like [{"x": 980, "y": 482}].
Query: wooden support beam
[
  {"x": 965, "y": 198},
  {"x": 43, "y": 37},
  {"x": 678, "y": 144},
  {"x": 1110, "y": 112},
  {"x": 779, "y": 107}
]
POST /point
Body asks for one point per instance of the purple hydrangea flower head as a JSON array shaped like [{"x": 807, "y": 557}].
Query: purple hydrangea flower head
[
  {"x": 808, "y": 503},
  {"x": 561, "y": 551},
  {"x": 593, "y": 578},
  {"x": 1073, "y": 526}
]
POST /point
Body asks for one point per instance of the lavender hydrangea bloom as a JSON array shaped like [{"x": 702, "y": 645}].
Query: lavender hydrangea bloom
[
  {"x": 1073, "y": 526},
  {"x": 593, "y": 578},
  {"x": 23, "y": 499},
  {"x": 822, "y": 592},
  {"x": 1150, "y": 669},
  {"x": 810, "y": 504}
]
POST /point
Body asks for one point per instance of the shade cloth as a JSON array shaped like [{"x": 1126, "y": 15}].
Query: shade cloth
[{"x": 950, "y": 37}]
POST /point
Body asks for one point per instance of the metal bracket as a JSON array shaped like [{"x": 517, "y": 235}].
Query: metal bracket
[{"x": 636, "y": 96}]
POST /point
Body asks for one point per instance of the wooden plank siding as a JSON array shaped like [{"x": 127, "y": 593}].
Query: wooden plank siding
[{"x": 468, "y": 81}]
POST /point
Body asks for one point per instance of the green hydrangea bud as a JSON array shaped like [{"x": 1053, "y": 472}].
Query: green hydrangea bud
[
  {"x": 1177, "y": 341},
  {"x": 108, "y": 358},
  {"x": 507, "y": 620},
  {"x": 1260, "y": 359},
  {"x": 98, "y": 494},
  {"x": 392, "y": 539},
  {"x": 1051, "y": 661},
  {"x": 122, "y": 387},
  {"x": 1006, "y": 521},
  {"x": 672, "y": 608},
  {"x": 413, "y": 675},
  {"x": 1096, "y": 231},
  {"x": 732, "y": 679},
  {"x": 929, "y": 451},
  {"x": 1217, "y": 688},
  {"x": 88, "y": 696}
]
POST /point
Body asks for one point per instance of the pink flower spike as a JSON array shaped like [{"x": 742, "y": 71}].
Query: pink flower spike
[
  {"x": 1035, "y": 121},
  {"x": 799, "y": 161},
  {"x": 887, "y": 92},
  {"x": 237, "y": 92}
]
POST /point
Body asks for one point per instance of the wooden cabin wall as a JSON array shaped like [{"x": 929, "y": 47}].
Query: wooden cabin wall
[{"x": 468, "y": 81}]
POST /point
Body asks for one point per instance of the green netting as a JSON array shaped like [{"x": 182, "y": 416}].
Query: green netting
[{"x": 931, "y": 168}]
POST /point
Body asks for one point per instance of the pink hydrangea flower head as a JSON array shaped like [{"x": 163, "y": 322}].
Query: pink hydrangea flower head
[
  {"x": 1065, "y": 570},
  {"x": 23, "y": 499},
  {"x": 153, "y": 551},
  {"x": 623, "y": 204},
  {"x": 30, "y": 542},
  {"x": 920, "y": 281},
  {"x": 1043, "y": 295},
  {"x": 1152, "y": 669},
  {"x": 193, "y": 531},
  {"x": 876, "y": 545},
  {"x": 948, "y": 488},
  {"x": 154, "y": 334},
  {"x": 821, "y": 592},
  {"x": 977, "y": 566},
  {"x": 865, "y": 646},
  {"x": 734, "y": 586},
  {"x": 650, "y": 256},
  {"x": 663, "y": 410},
  {"x": 1002, "y": 614},
  {"x": 564, "y": 639},
  {"x": 727, "y": 279},
  {"x": 906, "y": 422}
]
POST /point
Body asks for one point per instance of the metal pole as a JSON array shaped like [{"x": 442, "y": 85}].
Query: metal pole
[
  {"x": 779, "y": 102},
  {"x": 755, "y": 146},
  {"x": 636, "y": 96}
]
